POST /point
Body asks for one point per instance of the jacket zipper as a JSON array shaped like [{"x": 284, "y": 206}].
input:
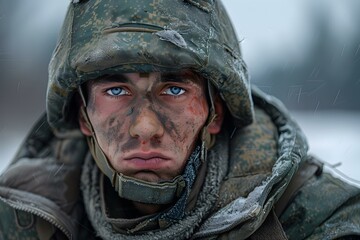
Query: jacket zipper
[{"x": 40, "y": 214}]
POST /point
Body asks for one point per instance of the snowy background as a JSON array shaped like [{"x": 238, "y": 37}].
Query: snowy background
[{"x": 305, "y": 52}]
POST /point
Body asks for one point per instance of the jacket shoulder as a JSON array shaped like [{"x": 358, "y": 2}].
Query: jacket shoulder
[
  {"x": 253, "y": 151},
  {"x": 325, "y": 207},
  {"x": 41, "y": 184}
]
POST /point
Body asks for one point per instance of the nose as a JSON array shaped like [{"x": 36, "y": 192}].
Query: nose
[{"x": 146, "y": 126}]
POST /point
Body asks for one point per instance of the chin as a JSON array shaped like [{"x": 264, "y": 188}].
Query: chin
[{"x": 148, "y": 177}]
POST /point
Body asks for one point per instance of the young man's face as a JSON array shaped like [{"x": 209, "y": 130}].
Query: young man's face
[{"x": 148, "y": 124}]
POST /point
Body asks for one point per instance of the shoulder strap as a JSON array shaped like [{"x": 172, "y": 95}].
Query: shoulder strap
[
  {"x": 306, "y": 170},
  {"x": 270, "y": 229}
]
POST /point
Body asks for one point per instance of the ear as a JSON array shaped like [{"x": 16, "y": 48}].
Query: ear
[
  {"x": 84, "y": 125},
  {"x": 215, "y": 126}
]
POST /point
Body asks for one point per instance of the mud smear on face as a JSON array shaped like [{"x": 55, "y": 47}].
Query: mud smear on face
[
  {"x": 133, "y": 142},
  {"x": 111, "y": 121},
  {"x": 148, "y": 101},
  {"x": 169, "y": 125},
  {"x": 114, "y": 134},
  {"x": 130, "y": 111},
  {"x": 164, "y": 118}
]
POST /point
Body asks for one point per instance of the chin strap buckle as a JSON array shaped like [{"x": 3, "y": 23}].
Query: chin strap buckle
[{"x": 148, "y": 192}]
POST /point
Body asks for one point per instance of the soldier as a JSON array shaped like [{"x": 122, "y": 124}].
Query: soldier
[{"x": 152, "y": 131}]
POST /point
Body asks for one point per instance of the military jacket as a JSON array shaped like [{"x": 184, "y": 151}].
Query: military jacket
[{"x": 260, "y": 184}]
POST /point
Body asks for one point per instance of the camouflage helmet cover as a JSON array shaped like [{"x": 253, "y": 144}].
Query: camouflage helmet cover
[{"x": 105, "y": 37}]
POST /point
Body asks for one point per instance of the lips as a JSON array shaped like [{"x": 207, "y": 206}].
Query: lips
[
  {"x": 146, "y": 161},
  {"x": 146, "y": 156}
]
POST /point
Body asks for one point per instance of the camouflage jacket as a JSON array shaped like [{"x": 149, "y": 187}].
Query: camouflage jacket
[{"x": 266, "y": 171}]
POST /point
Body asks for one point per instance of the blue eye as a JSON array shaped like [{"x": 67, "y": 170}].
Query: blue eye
[
  {"x": 116, "y": 91},
  {"x": 175, "y": 91}
]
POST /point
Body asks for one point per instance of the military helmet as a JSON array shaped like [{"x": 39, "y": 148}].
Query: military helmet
[{"x": 107, "y": 37}]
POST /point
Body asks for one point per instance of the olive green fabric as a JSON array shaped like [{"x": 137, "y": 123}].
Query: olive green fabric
[
  {"x": 112, "y": 37},
  {"x": 325, "y": 208},
  {"x": 16, "y": 224},
  {"x": 260, "y": 164},
  {"x": 43, "y": 180}
]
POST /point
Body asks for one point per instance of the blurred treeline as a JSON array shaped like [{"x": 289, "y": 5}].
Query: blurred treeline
[{"x": 327, "y": 77}]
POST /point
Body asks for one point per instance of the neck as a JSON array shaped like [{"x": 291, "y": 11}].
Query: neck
[{"x": 147, "y": 209}]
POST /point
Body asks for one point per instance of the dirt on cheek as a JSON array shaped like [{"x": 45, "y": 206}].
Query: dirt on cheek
[
  {"x": 113, "y": 131},
  {"x": 111, "y": 121},
  {"x": 191, "y": 129},
  {"x": 131, "y": 143},
  {"x": 197, "y": 106},
  {"x": 110, "y": 134},
  {"x": 170, "y": 127}
]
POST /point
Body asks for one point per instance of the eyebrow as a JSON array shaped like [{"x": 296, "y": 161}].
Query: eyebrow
[{"x": 176, "y": 77}]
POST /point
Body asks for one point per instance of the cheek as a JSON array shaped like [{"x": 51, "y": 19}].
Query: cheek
[
  {"x": 198, "y": 107},
  {"x": 190, "y": 122},
  {"x": 196, "y": 112},
  {"x": 110, "y": 130},
  {"x": 113, "y": 130}
]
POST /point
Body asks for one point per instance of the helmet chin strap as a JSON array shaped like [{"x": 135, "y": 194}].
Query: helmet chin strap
[
  {"x": 138, "y": 190},
  {"x": 208, "y": 140},
  {"x": 131, "y": 188}
]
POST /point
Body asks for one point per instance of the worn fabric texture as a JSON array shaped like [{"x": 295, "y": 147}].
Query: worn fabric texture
[{"x": 40, "y": 191}]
